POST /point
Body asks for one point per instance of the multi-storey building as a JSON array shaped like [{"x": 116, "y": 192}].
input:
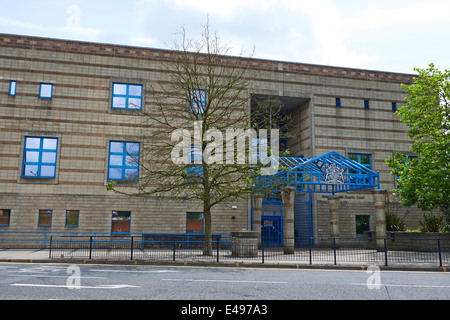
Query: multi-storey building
[{"x": 66, "y": 106}]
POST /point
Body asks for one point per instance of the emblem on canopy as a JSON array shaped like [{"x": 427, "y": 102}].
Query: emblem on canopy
[{"x": 334, "y": 174}]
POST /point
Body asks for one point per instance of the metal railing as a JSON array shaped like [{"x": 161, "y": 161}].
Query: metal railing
[{"x": 435, "y": 252}]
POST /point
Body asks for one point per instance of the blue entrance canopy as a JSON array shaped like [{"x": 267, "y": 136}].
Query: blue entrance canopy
[{"x": 328, "y": 173}]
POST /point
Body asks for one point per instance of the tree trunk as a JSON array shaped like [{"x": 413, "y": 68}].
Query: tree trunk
[{"x": 207, "y": 249}]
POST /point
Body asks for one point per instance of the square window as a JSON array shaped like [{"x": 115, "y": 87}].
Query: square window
[
  {"x": 72, "y": 218},
  {"x": 127, "y": 96},
  {"x": 40, "y": 156},
  {"x": 46, "y": 90},
  {"x": 12, "y": 88},
  {"x": 5, "y": 217},
  {"x": 123, "y": 162},
  {"x": 121, "y": 221},
  {"x": 45, "y": 218}
]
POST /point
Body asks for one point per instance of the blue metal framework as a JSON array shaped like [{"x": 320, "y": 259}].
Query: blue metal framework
[{"x": 328, "y": 173}]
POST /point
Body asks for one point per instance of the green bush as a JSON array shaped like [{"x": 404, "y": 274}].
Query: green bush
[
  {"x": 432, "y": 223},
  {"x": 394, "y": 222}
]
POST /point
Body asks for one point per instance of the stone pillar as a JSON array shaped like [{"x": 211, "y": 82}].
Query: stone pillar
[
  {"x": 333, "y": 203},
  {"x": 288, "y": 196},
  {"x": 257, "y": 213},
  {"x": 379, "y": 200}
]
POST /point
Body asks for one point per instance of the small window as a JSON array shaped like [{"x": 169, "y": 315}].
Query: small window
[
  {"x": 394, "y": 106},
  {"x": 72, "y": 218},
  {"x": 127, "y": 96},
  {"x": 12, "y": 88},
  {"x": 123, "y": 161},
  {"x": 338, "y": 102},
  {"x": 198, "y": 102},
  {"x": 121, "y": 221},
  {"x": 362, "y": 223},
  {"x": 46, "y": 90},
  {"x": 194, "y": 222},
  {"x": 195, "y": 170},
  {"x": 45, "y": 218},
  {"x": 5, "y": 216},
  {"x": 366, "y": 104},
  {"x": 361, "y": 158},
  {"x": 39, "y": 159}
]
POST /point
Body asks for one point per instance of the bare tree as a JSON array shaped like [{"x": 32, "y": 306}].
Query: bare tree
[{"x": 202, "y": 109}]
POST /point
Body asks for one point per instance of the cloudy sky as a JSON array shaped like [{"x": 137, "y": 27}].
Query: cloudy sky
[{"x": 387, "y": 35}]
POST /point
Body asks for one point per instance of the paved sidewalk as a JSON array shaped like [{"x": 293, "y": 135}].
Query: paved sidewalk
[{"x": 23, "y": 254}]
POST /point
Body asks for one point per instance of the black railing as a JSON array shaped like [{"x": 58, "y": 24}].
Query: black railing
[{"x": 435, "y": 252}]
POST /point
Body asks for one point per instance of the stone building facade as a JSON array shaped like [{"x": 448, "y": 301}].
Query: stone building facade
[{"x": 60, "y": 115}]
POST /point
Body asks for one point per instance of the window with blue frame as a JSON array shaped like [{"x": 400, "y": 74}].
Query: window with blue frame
[
  {"x": 45, "y": 218},
  {"x": 394, "y": 106},
  {"x": 363, "y": 159},
  {"x": 123, "y": 163},
  {"x": 338, "y": 102},
  {"x": 39, "y": 159},
  {"x": 195, "y": 170},
  {"x": 197, "y": 101},
  {"x": 12, "y": 88},
  {"x": 366, "y": 104},
  {"x": 46, "y": 90},
  {"x": 127, "y": 96},
  {"x": 72, "y": 218}
]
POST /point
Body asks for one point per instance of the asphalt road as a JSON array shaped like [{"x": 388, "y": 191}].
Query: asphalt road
[{"x": 111, "y": 282}]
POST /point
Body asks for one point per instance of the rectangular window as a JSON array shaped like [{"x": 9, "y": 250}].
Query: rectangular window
[
  {"x": 195, "y": 171},
  {"x": 338, "y": 102},
  {"x": 394, "y": 106},
  {"x": 198, "y": 101},
  {"x": 45, "y": 218},
  {"x": 127, "y": 96},
  {"x": 46, "y": 90},
  {"x": 366, "y": 104},
  {"x": 39, "y": 159},
  {"x": 362, "y": 223},
  {"x": 194, "y": 222},
  {"x": 121, "y": 221},
  {"x": 123, "y": 163},
  {"x": 72, "y": 218},
  {"x": 364, "y": 159},
  {"x": 12, "y": 88},
  {"x": 5, "y": 217}
]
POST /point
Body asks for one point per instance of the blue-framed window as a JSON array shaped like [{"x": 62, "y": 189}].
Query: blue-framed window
[
  {"x": 362, "y": 158},
  {"x": 39, "y": 159},
  {"x": 121, "y": 221},
  {"x": 362, "y": 223},
  {"x": 12, "y": 88},
  {"x": 127, "y": 96},
  {"x": 72, "y": 218},
  {"x": 5, "y": 217},
  {"x": 195, "y": 170},
  {"x": 366, "y": 104},
  {"x": 46, "y": 90},
  {"x": 338, "y": 102},
  {"x": 394, "y": 106},
  {"x": 45, "y": 218},
  {"x": 197, "y": 101},
  {"x": 123, "y": 163}
]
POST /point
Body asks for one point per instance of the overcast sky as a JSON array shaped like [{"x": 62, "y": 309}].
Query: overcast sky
[{"x": 387, "y": 35}]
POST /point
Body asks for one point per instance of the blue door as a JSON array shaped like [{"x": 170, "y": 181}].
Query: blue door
[{"x": 272, "y": 222}]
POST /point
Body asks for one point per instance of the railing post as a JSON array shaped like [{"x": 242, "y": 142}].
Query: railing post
[
  {"x": 131, "y": 258},
  {"x": 385, "y": 253},
  {"x": 218, "y": 248},
  {"x": 334, "y": 250},
  {"x": 50, "y": 249},
  {"x": 174, "y": 247},
  {"x": 262, "y": 249},
  {"x": 90, "y": 247},
  {"x": 439, "y": 250},
  {"x": 310, "y": 251}
]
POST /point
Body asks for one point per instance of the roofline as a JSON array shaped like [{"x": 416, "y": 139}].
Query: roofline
[{"x": 90, "y": 47}]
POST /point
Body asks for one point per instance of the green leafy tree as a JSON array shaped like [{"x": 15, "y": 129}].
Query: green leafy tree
[{"x": 424, "y": 180}]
